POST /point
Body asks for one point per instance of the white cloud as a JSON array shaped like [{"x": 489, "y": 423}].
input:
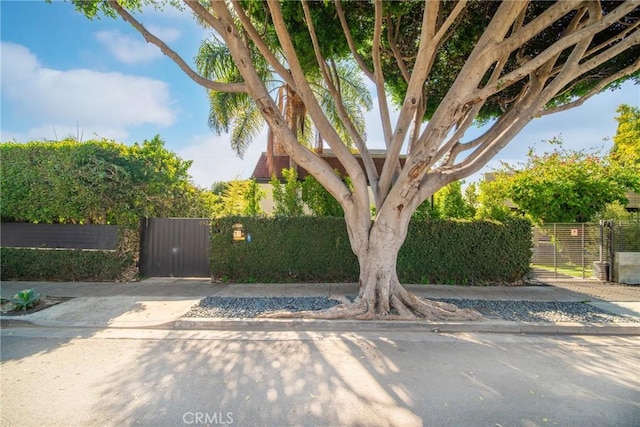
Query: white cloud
[
  {"x": 98, "y": 101},
  {"x": 213, "y": 159},
  {"x": 135, "y": 50}
]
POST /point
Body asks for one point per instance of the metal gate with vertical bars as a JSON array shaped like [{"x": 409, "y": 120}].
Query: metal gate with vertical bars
[
  {"x": 582, "y": 250},
  {"x": 175, "y": 247},
  {"x": 567, "y": 250}
]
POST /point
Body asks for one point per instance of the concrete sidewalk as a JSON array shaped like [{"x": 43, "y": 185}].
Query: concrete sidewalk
[{"x": 163, "y": 301}]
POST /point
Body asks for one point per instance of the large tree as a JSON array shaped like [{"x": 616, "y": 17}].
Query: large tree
[{"x": 451, "y": 62}]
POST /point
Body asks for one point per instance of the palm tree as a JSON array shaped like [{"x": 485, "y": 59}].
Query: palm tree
[{"x": 238, "y": 114}]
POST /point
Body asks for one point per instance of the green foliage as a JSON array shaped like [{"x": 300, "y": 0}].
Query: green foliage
[
  {"x": 319, "y": 201},
  {"x": 613, "y": 211},
  {"x": 252, "y": 197},
  {"x": 317, "y": 249},
  {"x": 239, "y": 115},
  {"x": 26, "y": 299},
  {"x": 238, "y": 197},
  {"x": 492, "y": 196},
  {"x": 291, "y": 198},
  {"x": 626, "y": 142},
  {"x": 471, "y": 199},
  {"x": 627, "y": 236},
  {"x": 568, "y": 186},
  {"x": 465, "y": 252},
  {"x": 283, "y": 249},
  {"x": 287, "y": 197},
  {"x": 450, "y": 202},
  {"x": 426, "y": 211},
  {"x": 96, "y": 182},
  {"x": 63, "y": 265}
]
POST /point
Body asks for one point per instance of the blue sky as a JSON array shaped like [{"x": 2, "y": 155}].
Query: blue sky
[{"x": 63, "y": 74}]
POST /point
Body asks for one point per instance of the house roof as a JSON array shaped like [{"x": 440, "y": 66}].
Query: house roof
[
  {"x": 634, "y": 201},
  {"x": 281, "y": 161}
]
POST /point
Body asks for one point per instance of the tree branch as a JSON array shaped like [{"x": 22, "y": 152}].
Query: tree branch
[
  {"x": 150, "y": 38},
  {"x": 414, "y": 94},
  {"x": 261, "y": 45},
  {"x": 379, "y": 76},
  {"x": 618, "y": 37},
  {"x": 494, "y": 140},
  {"x": 461, "y": 97},
  {"x": 396, "y": 51},
  {"x": 268, "y": 108},
  {"x": 352, "y": 46},
  {"x": 553, "y": 50},
  {"x": 635, "y": 67},
  {"x": 322, "y": 123},
  {"x": 439, "y": 37},
  {"x": 370, "y": 168}
]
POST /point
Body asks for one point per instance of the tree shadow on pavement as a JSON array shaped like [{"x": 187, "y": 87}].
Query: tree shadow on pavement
[{"x": 366, "y": 378}]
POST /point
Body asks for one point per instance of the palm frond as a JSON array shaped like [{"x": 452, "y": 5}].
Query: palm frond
[
  {"x": 224, "y": 108},
  {"x": 247, "y": 125},
  {"x": 214, "y": 62}
]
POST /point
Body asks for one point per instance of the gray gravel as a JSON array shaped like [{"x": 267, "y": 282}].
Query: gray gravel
[{"x": 520, "y": 311}]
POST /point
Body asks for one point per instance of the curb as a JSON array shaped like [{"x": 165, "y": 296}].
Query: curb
[
  {"x": 12, "y": 322},
  {"x": 500, "y": 327},
  {"x": 280, "y": 325}
]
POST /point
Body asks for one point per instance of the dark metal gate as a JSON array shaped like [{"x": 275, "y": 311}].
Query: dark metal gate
[{"x": 175, "y": 247}]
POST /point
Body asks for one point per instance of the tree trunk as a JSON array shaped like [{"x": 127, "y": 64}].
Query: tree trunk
[{"x": 381, "y": 296}]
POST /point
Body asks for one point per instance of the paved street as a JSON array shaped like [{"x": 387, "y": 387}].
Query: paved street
[{"x": 165, "y": 377}]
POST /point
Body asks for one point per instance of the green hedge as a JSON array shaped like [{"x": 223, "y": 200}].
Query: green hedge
[
  {"x": 465, "y": 252},
  {"x": 63, "y": 265},
  {"x": 317, "y": 249},
  {"x": 283, "y": 249}
]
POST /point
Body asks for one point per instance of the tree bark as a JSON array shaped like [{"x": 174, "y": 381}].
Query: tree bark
[{"x": 380, "y": 295}]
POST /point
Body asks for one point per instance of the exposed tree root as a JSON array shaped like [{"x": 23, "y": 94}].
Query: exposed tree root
[
  {"x": 382, "y": 297},
  {"x": 404, "y": 306},
  {"x": 344, "y": 310}
]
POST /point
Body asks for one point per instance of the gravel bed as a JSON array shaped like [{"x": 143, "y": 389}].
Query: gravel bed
[
  {"x": 542, "y": 311},
  {"x": 520, "y": 311}
]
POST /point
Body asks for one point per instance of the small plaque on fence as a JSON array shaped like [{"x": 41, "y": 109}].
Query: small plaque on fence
[
  {"x": 238, "y": 233},
  {"x": 575, "y": 232}
]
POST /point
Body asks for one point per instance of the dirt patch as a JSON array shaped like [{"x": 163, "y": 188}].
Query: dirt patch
[{"x": 8, "y": 308}]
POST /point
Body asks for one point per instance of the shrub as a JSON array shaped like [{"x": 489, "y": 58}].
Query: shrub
[
  {"x": 317, "y": 249},
  {"x": 283, "y": 249},
  {"x": 25, "y": 299},
  {"x": 465, "y": 252},
  {"x": 63, "y": 265}
]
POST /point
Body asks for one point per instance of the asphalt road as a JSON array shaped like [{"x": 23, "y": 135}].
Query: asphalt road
[{"x": 155, "y": 377}]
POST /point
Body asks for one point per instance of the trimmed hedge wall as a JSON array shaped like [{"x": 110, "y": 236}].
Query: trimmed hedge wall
[
  {"x": 63, "y": 265},
  {"x": 317, "y": 249},
  {"x": 283, "y": 249},
  {"x": 465, "y": 252}
]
